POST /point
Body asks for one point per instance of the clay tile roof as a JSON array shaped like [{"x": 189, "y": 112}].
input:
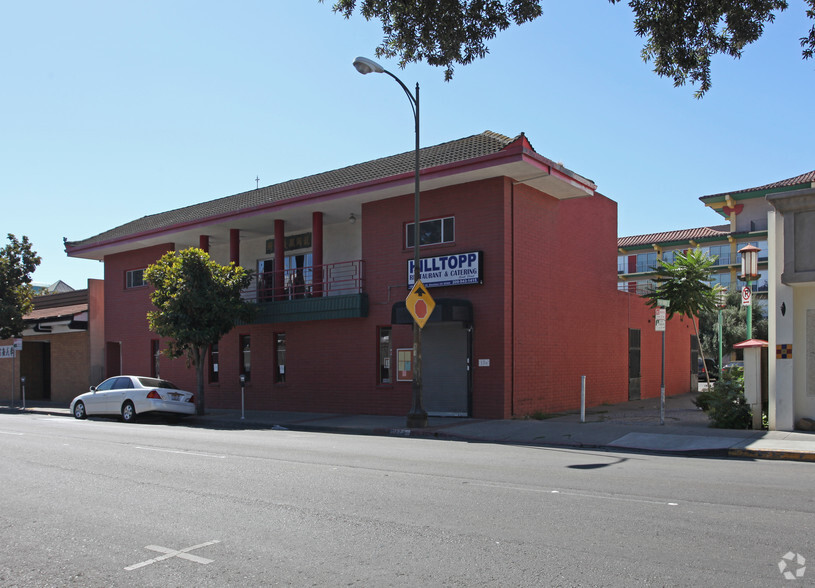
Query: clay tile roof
[
  {"x": 472, "y": 147},
  {"x": 807, "y": 178},
  {"x": 673, "y": 236},
  {"x": 51, "y": 313},
  {"x": 64, "y": 304}
]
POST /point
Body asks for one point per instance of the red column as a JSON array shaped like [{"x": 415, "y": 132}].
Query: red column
[
  {"x": 317, "y": 253},
  {"x": 279, "y": 253},
  {"x": 203, "y": 243},
  {"x": 235, "y": 246}
]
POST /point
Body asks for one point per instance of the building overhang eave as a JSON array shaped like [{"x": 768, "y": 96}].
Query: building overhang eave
[{"x": 521, "y": 166}]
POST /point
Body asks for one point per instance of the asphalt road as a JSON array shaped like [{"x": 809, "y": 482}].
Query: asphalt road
[{"x": 103, "y": 503}]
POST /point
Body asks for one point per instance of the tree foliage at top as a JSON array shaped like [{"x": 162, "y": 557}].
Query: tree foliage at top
[
  {"x": 680, "y": 36},
  {"x": 197, "y": 301},
  {"x": 685, "y": 282},
  {"x": 17, "y": 262}
]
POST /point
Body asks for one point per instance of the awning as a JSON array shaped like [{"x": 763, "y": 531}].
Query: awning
[{"x": 447, "y": 310}]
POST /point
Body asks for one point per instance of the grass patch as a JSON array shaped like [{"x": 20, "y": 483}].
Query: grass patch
[{"x": 539, "y": 415}]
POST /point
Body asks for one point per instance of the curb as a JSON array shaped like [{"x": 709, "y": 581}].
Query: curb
[
  {"x": 442, "y": 435},
  {"x": 775, "y": 454}
]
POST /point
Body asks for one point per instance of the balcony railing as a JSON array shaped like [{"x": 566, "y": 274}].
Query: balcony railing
[{"x": 318, "y": 281}]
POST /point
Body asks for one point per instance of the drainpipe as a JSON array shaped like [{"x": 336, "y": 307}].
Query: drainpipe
[
  {"x": 235, "y": 246},
  {"x": 512, "y": 293}
]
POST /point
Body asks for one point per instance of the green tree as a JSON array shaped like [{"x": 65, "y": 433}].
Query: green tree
[
  {"x": 17, "y": 262},
  {"x": 197, "y": 301},
  {"x": 686, "y": 284},
  {"x": 734, "y": 325},
  {"x": 681, "y": 36}
]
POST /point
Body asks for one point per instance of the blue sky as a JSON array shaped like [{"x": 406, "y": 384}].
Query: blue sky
[{"x": 110, "y": 111}]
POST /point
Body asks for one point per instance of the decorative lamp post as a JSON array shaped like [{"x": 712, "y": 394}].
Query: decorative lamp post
[
  {"x": 417, "y": 417},
  {"x": 749, "y": 273}
]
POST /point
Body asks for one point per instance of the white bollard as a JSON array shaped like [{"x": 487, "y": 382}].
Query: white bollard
[{"x": 582, "y": 399}]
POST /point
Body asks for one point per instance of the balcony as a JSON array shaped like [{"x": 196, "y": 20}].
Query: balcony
[{"x": 323, "y": 292}]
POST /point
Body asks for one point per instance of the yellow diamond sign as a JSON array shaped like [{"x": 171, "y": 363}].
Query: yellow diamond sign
[{"x": 420, "y": 303}]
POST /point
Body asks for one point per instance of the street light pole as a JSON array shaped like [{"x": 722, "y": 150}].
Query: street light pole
[
  {"x": 417, "y": 417},
  {"x": 721, "y": 303}
]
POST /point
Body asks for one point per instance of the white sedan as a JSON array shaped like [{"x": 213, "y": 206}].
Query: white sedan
[{"x": 133, "y": 395}]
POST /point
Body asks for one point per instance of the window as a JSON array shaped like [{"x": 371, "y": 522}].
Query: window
[
  {"x": 642, "y": 286},
  {"x": 245, "y": 357},
  {"x": 404, "y": 365},
  {"x": 646, "y": 262},
  {"x": 280, "y": 358},
  {"x": 670, "y": 255},
  {"x": 122, "y": 383},
  {"x": 156, "y": 383},
  {"x": 384, "y": 355},
  {"x": 298, "y": 274},
  {"x": 720, "y": 253},
  {"x": 622, "y": 264},
  {"x": 763, "y": 282},
  {"x": 106, "y": 385},
  {"x": 762, "y": 249},
  {"x": 135, "y": 278},
  {"x": 722, "y": 279},
  {"x": 213, "y": 363},
  {"x": 432, "y": 232}
]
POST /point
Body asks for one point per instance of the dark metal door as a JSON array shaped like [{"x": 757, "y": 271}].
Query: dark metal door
[
  {"x": 445, "y": 369},
  {"x": 634, "y": 361}
]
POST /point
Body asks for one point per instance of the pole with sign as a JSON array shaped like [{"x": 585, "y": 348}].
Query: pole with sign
[
  {"x": 660, "y": 320},
  {"x": 420, "y": 305},
  {"x": 747, "y": 300}
]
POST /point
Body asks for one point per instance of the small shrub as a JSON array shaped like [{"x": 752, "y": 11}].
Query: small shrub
[
  {"x": 725, "y": 404},
  {"x": 539, "y": 415}
]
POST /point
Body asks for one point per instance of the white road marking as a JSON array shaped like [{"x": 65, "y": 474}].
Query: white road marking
[
  {"x": 11, "y": 433},
  {"x": 179, "y": 553},
  {"x": 570, "y": 493},
  {"x": 182, "y": 452}
]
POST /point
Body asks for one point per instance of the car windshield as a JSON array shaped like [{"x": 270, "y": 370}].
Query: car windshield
[{"x": 156, "y": 383}]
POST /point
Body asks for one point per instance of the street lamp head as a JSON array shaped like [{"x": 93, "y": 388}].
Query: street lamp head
[
  {"x": 366, "y": 66},
  {"x": 749, "y": 262}
]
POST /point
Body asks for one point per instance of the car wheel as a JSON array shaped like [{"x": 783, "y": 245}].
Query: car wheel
[
  {"x": 79, "y": 411},
  {"x": 128, "y": 412}
]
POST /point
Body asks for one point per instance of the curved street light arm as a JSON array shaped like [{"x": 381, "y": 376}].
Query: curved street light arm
[{"x": 414, "y": 101}]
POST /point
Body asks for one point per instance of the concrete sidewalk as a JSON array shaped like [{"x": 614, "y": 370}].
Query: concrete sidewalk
[{"x": 630, "y": 426}]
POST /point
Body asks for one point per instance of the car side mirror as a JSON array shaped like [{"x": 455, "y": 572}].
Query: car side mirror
[{"x": 92, "y": 389}]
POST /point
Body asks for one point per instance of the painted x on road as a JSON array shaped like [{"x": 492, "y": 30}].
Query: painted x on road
[{"x": 168, "y": 553}]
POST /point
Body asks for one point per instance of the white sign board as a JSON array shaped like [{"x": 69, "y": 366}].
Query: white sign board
[
  {"x": 660, "y": 319},
  {"x": 449, "y": 270},
  {"x": 18, "y": 344},
  {"x": 7, "y": 351},
  {"x": 746, "y": 296}
]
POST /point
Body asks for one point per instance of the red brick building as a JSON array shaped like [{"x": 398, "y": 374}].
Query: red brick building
[{"x": 517, "y": 251}]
